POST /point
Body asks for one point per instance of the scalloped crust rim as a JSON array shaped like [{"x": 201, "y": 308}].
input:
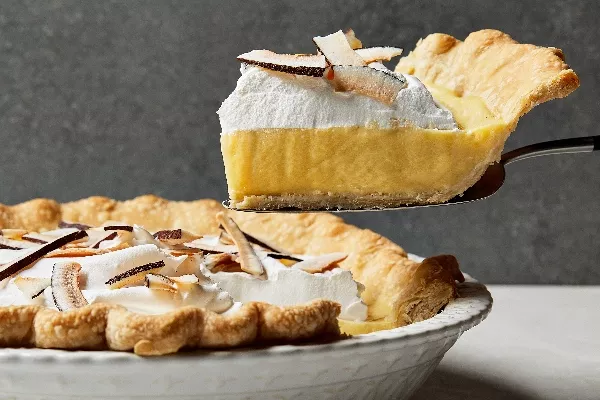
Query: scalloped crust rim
[{"x": 103, "y": 327}]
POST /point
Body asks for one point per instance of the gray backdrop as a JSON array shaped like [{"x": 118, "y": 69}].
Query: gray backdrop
[{"x": 119, "y": 99}]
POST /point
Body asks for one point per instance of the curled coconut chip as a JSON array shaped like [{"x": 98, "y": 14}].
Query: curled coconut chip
[
  {"x": 381, "y": 85},
  {"x": 65, "y": 286},
  {"x": 12, "y": 233},
  {"x": 74, "y": 225},
  {"x": 16, "y": 244},
  {"x": 22, "y": 262},
  {"x": 264, "y": 244},
  {"x": 37, "y": 238},
  {"x": 337, "y": 50},
  {"x": 32, "y": 287},
  {"x": 224, "y": 237},
  {"x": 127, "y": 228},
  {"x": 170, "y": 284},
  {"x": 353, "y": 41},
  {"x": 187, "y": 280},
  {"x": 298, "y": 64},
  {"x": 213, "y": 249},
  {"x": 175, "y": 237},
  {"x": 249, "y": 261},
  {"x": 4, "y": 246},
  {"x": 322, "y": 263},
  {"x": 109, "y": 236},
  {"x": 160, "y": 282},
  {"x": 222, "y": 262},
  {"x": 375, "y": 54},
  {"x": 134, "y": 275}
]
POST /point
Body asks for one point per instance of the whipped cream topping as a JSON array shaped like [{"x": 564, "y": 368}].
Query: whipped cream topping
[
  {"x": 220, "y": 291},
  {"x": 286, "y": 286},
  {"x": 267, "y": 99}
]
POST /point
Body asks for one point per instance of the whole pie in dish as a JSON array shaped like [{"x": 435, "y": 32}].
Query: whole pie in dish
[
  {"x": 155, "y": 276},
  {"x": 337, "y": 129}
]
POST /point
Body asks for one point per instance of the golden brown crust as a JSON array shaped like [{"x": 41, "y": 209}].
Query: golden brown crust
[
  {"x": 33, "y": 215},
  {"x": 510, "y": 77},
  {"x": 100, "y": 327},
  {"x": 398, "y": 290}
]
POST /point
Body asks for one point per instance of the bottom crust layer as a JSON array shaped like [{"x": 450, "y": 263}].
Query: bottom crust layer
[{"x": 333, "y": 201}]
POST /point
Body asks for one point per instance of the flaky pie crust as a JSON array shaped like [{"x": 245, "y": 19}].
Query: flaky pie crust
[
  {"x": 510, "y": 77},
  {"x": 398, "y": 291}
]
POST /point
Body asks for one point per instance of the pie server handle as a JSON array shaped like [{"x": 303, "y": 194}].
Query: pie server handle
[{"x": 572, "y": 145}]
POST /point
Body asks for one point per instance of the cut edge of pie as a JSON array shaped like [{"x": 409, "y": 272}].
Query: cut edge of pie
[
  {"x": 398, "y": 291},
  {"x": 488, "y": 71}
]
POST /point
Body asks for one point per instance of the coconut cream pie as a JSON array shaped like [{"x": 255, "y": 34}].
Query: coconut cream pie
[
  {"x": 153, "y": 277},
  {"x": 337, "y": 129}
]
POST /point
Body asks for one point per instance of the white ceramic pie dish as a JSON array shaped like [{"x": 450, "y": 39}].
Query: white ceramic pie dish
[{"x": 385, "y": 364}]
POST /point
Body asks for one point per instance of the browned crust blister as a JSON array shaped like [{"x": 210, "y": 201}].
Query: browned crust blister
[
  {"x": 107, "y": 327},
  {"x": 510, "y": 77}
]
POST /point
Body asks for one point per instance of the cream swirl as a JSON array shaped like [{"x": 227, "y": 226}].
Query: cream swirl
[{"x": 267, "y": 99}]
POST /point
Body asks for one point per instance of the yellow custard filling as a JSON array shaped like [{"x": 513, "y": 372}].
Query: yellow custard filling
[{"x": 406, "y": 162}]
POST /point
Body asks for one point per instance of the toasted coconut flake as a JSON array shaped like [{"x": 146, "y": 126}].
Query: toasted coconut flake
[
  {"x": 110, "y": 236},
  {"x": 74, "y": 252},
  {"x": 36, "y": 238},
  {"x": 32, "y": 287},
  {"x": 353, "y": 41},
  {"x": 65, "y": 286},
  {"x": 13, "y": 233},
  {"x": 83, "y": 251},
  {"x": 280, "y": 256},
  {"x": 381, "y": 85},
  {"x": 127, "y": 228},
  {"x": 320, "y": 263},
  {"x": 264, "y": 244},
  {"x": 186, "y": 279},
  {"x": 7, "y": 247},
  {"x": 249, "y": 261},
  {"x": 184, "y": 252},
  {"x": 22, "y": 262},
  {"x": 375, "y": 54},
  {"x": 11, "y": 244},
  {"x": 298, "y": 64},
  {"x": 175, "y": 236},
  {"x": 74, "y": 225},
  {"x": 212, "y": 249},
  {"x": 160, "y": 282},
  {"x": 134, "y": 275},
  {"x": 224, "y": 237},
  {"x": 337, "y": 50},
  {"x": 221, "y": 262}
]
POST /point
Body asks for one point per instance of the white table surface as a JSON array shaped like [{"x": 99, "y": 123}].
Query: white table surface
[{"x": 539, "y": 342}]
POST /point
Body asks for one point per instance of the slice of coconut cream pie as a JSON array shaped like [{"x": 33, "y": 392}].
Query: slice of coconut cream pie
[{"x": 337, "y": 129}]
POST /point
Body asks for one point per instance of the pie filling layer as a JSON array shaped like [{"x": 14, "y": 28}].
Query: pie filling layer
[{"x": 154, "y": 274}]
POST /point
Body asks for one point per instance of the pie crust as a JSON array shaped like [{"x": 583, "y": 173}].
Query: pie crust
[{"x": 398, "y": 291}]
